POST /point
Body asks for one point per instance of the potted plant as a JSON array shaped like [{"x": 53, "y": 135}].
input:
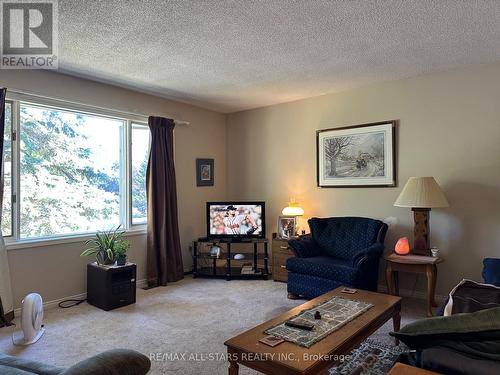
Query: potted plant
[
  {"x": 107, "y": 247},
  {"x": 120, "y": 251}
]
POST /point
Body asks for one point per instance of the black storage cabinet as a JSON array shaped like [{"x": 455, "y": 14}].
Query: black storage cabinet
[{"x": 111, "y": 287}]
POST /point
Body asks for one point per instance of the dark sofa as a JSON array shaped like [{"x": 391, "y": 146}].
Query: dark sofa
[
  {"x": 340, "y": 251},
  {"x": 111, "y": 362},
  {"x": 476, "y": 351}
]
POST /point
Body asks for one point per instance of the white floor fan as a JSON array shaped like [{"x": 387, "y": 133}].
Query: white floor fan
[{"x": 31, "y": 320}]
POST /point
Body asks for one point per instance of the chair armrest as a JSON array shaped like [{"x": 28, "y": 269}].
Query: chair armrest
[
  {"x": 304, "y": 247},
  {"x": 112, "y": 362},
  {"x": 374, "y": 251}
]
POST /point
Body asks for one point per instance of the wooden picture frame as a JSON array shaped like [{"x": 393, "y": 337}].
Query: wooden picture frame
[
  {"x": 204, "y": 172},
  {"x": 357, "y": 156},
  {"x": 287, "y": 226}
]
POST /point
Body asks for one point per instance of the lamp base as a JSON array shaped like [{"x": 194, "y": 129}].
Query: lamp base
[{"x": 421, "y": 232}]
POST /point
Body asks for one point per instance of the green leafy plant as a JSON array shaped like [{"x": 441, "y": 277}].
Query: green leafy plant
[
  {"x": 106, "y": 246},
  {"x": 121, "y": 248}
]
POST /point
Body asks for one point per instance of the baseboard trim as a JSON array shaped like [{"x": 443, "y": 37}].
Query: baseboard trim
[
  {"x": 414, "y": 294},
  {"x": 140, "y": 284}
]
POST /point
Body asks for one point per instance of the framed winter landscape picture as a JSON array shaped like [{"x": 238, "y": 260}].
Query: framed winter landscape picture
[{"x": 355, "y": 156}]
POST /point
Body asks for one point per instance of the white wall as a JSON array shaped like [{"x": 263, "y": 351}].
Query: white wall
[
  {"x": 57, "y": 271},
  {"x": 449, "y": 128}
]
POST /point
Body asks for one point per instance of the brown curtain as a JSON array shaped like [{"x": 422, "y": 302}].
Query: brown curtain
[{"x": 163, "y": 244}]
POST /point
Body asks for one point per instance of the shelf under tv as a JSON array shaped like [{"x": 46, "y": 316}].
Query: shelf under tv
[{"x": 225, "y": 266}]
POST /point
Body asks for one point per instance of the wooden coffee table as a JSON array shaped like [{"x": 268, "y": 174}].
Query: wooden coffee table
[{"x": 288, "y": 358}]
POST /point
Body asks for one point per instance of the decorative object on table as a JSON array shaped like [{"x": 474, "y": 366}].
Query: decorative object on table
[
  {"x": 107, "y": 247},
  {"x": 369, "y": 358},
  {"x": 434, "y": 252},
  {"x": 421, "y": 194},
  {"x": 356, "y": 156},
  {"x": 31, "y": 320},
  {"x": 348, "y": 290},
  {"x": 402, "y": 246},
  {"x": 271, "y": 341},
  {"x": 215, "y": 251},
  {"x": 426, "y": 265},
  {"x": 317, "y": 315},
  {"x": 111, "y": 287},
  {"x": 287, "y": 227},
  {"x": 204, "y": 172},
  {"x": 335, "y": 313},
  {"x": 239, "y": 256}
]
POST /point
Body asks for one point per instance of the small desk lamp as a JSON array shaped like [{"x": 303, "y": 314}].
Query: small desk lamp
[
  {"x": 293, "y": 210},
  {"x": 421, "y": 194}
]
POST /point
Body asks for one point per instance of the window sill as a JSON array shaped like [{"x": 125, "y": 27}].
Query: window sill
[{"x": 38, "y": 242}]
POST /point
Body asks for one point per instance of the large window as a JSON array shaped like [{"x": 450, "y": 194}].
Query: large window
[
  {"x": 7, "y": 167},
  {"x": 72, "y": 172}
]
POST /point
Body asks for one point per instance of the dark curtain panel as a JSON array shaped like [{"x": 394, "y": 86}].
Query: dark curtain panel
[
  {"x": 4, "y": 319},
  {"x": 163, "y": 243}
]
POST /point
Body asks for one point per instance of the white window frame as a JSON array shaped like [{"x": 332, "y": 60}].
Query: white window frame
[
  {"x": 130, "y": 126},
  {"x": 14, "y": 241}
]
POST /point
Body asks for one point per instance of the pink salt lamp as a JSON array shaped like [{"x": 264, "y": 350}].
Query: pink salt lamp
[{"x": 402, "y": 246}]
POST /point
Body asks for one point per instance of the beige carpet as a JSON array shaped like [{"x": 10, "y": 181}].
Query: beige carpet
[{"x": 191, "y": 316}]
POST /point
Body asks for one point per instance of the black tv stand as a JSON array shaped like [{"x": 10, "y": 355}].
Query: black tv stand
[{"x": 225, "y": 266}]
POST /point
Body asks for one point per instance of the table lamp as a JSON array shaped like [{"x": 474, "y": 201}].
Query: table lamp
[
  {"x": 402, "y": 246},
  {"x": 421, "y": 194},
  {"x": 293, "y": 209}
]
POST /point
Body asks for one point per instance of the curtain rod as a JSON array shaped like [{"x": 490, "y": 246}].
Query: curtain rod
[{"x": 64, "y": 101}]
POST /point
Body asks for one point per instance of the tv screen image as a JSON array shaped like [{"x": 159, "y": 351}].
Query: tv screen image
[{"x": 235, "y": 219}]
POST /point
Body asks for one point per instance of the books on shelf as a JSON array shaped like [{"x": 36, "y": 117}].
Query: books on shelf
[{"x": 247, "y": 270}]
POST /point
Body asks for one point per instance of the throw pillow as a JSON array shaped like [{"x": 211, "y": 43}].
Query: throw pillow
[{"x": 491, "y": 271}]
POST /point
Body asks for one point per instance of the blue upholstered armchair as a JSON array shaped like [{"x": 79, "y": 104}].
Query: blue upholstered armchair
[{"x": 340, "y": 251}]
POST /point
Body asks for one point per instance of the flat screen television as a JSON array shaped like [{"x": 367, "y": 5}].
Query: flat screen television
[{"x": 240, "y": 220}]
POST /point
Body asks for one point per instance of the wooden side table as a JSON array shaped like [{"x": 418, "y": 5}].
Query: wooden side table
[
  {"x": 402, "y": 369},
  {"x": 281, "y": 252},
  {"x": 414, "y": 264}
]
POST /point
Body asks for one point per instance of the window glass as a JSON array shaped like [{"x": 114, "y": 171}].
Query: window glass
[
  {"x": 140, "y": 155},
  {"x": 7, "y": 168},
  {"x": 70, "y": 172}
]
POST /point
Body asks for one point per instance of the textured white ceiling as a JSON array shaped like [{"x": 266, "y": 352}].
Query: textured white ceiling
[{"x": 235, "y": 55}]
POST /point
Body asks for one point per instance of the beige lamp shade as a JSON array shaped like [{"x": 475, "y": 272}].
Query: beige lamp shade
[{"x": 421, "y": 192}]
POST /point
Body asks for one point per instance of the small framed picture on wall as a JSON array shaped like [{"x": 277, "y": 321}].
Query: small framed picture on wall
[
  {"x": 287, "y": 226},
  {"x": 204, "y": 172}
]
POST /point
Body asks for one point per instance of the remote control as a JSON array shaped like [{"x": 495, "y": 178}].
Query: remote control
[{"x": 306, "y": 326}]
